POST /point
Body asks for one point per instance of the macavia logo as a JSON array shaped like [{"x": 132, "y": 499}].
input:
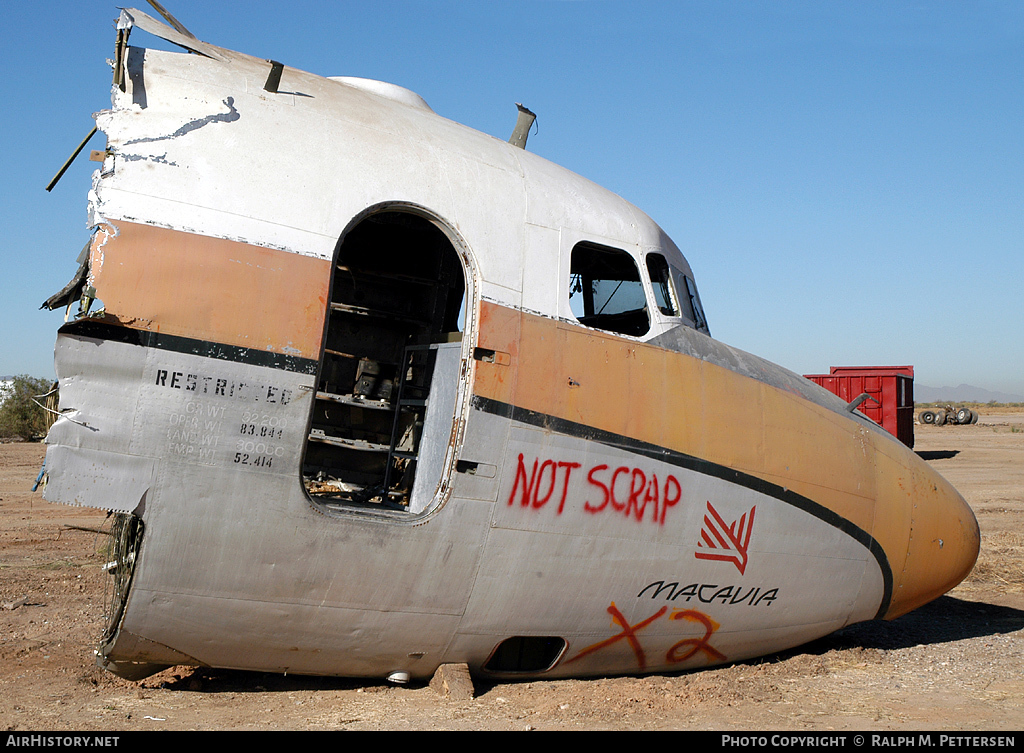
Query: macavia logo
[
  {"x": 707, "y": 593},
  {"x": 725, "y": 542}
]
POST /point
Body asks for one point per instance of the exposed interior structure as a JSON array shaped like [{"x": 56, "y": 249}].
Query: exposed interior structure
[{"x": 391, "y": 356}]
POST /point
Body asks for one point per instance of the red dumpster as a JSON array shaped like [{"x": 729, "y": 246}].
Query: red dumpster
[{"x": 891, "y": 391}]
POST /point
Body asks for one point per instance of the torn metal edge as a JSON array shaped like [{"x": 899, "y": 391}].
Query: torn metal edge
[{"x": 131, "y": 17}]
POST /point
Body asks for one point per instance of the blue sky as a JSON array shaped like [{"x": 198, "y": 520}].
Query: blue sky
[{"x": 845, "y": 178}]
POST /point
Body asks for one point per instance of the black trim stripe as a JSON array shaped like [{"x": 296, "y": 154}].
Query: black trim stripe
[
  {"x": 698, "y": 465},
  {"x": 253, "y": 356}
]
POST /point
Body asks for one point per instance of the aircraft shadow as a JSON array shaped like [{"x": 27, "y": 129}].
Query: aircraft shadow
[
  {"x": 937, "y": 454},
  {"x": 210, "y": 680},
  {"x": 941, "y": 621}
]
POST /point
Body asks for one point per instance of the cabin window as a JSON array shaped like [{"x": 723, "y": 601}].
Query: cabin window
[
  {"x": 605, "y": 291},
  {"x": 387, "y": 388},
  {"x": 661, "y": 282}
]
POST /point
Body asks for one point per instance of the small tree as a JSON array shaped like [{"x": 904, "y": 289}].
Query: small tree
[{"x": 20, "y": 416}]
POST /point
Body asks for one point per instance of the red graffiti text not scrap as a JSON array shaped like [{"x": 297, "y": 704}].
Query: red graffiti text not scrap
[{"x": 625, "y": 490}]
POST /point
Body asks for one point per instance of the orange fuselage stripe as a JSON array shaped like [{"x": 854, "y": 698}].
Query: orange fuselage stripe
[{"x": 211, "y": 289}]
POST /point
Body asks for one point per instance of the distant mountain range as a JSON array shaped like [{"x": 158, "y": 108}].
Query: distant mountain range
[{"x": 964, "y": 393}]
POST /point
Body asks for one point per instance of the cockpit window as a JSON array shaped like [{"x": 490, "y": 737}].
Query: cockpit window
[
  {"x": 605, "y": 291},
  {"x": 664, "y": 295},
  {"x": 692, "y": 308},
  {"x": 675, "y": 292}
]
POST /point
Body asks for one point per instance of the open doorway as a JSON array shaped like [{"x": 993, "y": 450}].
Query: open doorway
[{"x": 388, "y": 385}]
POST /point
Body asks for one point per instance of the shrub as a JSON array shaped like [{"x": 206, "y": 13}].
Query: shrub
[{"x": 20, "y": 415}]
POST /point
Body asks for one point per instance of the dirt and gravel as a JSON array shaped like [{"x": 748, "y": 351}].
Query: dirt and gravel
[{"x": 954, "y": 664}]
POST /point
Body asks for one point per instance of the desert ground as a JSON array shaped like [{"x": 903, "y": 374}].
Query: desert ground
[{"x": 955, "y": 664}]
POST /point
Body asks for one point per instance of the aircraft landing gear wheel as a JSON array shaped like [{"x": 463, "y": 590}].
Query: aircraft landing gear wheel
[
  {"x": 940, "y": 417},
  {"x": 927, "y": 417}
]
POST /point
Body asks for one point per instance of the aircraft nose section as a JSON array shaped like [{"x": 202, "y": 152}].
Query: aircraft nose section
[{"x": 943, "y": 544}]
